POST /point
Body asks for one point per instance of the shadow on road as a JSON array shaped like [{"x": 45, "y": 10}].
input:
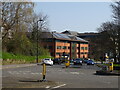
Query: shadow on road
[
  {"x": 34, "y": 81},
  {"x": 28, "y": 80},
  {"x": 106, "y": 74}
]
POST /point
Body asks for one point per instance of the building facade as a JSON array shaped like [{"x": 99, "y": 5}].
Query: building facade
[{"x": 59, "y": 44}]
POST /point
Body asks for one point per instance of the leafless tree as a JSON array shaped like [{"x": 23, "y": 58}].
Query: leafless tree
[{"x": 15, "y": 16}]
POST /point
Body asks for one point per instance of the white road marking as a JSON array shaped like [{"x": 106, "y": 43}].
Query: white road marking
[
  {"x": 59, "y": 86},
  {"x": 81, "y": 73},
  {"x": 74, "y": 72},
  {"x": 60, "y": 70},
  {"x": 107, "y": 82},
  {"x": 47, "y": 87},
  {"x": 36, "y": 73}
]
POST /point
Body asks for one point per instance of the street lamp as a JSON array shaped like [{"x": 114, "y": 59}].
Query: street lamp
[{"x": 37, "y": 39}]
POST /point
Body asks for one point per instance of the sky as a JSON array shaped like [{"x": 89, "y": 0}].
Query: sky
[{"x": 75, "y": 16}]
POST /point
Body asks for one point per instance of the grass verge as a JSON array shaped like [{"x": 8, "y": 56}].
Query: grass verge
[{"x": 10, "y": 58}]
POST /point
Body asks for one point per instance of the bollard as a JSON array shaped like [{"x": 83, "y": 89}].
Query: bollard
[
  {"x": 111, "y": 66},
  {"x": 44, "y": 72},
  {"x": 67, "y": 63}
]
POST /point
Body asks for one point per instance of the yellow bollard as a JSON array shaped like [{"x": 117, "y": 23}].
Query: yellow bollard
[
  {"x": 44, "y": 71},
  {"x": 111, "y": 66},
  {"x": 67, "y": 63}
]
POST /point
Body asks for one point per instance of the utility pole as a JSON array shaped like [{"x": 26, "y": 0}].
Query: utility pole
[{"x": 37, "y": 38}]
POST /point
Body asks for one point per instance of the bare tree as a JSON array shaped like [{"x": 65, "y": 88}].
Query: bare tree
[
  {"x": 110, "y": 32},
  {"x": 116, "y": 17},
  {"x": 39, "y": 25},
  {"x": 15, "y": 16}
]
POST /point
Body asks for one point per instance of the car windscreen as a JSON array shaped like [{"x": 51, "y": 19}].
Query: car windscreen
[
  {"x": 78, "y": 59},
  {"x": 90, "y": 61},
  {"x": 46, "y": 59}
]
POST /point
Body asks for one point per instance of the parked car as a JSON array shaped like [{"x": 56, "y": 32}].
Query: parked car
[
  {"x": 47, "y": 61},
  {"x": 56, "y": 61},
  {"x": 90, "y": 62},
  {"x": 72, "y": 60},
  {"x": 85, "y": 60},
  {"x": 77, "y": 61}
]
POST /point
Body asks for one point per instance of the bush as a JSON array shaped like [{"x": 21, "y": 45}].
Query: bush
[{"x": 20, "y": 44}]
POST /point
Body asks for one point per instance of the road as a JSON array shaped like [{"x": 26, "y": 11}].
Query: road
[{"x": 57, "y": 76}]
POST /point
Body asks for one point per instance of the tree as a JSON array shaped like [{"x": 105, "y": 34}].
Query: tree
[
  {"x": 116, "y": 17},
  {"x": 110, "y": 34},
  {"x": 37, "y": 26},
  {"x": 15, "y": 16},
  {"x": 18, "y": 20},
  {"x": 107, "y": 37}
]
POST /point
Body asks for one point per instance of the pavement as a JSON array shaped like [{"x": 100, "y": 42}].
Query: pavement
[{"x": 16, "y": 66}]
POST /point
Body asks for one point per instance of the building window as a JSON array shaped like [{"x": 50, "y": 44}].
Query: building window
[
  {"x": 48, "y": 40},
  {"x": 58, "y": 54},
  {"x": 58, "y": 47},
  {"x": 86, "y": 48},
  {"x": 64, "y": 47},
  {"x": 86, "y": 53},
  {"x": 82, "y": 48},
  {"x": 58, "y": 40},
  {"x": 68, "y": 47},
  {"x": 82, "y": 53}
]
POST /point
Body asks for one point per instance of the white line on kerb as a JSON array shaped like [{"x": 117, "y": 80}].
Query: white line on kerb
[{"x": 60, "y": 86}]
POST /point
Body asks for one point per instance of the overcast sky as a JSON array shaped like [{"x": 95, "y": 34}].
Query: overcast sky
[{"x": 75, "y": 16}]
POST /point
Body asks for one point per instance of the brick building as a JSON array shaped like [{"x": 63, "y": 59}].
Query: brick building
[
  {"x": 91, "y": 37},
  {"x": 59, "y": 44}
]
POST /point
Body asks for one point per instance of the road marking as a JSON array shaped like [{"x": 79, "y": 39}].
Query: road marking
[
  {"x": 60, "y": 70},
  {"x": 59, "y": 86},
  {"x": 81, "y": 73},
  {"x": 47, "y": 87},
  {"x": 18, "y": 66},
  {"x": 74, "y": 72},
  {"x": 107, "y": 82},
  {"x": 36, "y": 73}
]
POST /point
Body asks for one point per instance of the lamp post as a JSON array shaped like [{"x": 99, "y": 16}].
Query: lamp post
[{"x": 37, "y": 39}]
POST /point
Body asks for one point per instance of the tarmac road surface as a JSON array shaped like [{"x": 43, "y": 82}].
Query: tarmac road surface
[{"x": 57, "y": 76}]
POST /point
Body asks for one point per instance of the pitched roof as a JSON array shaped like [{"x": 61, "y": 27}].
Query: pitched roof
[
  {"x": 70, "y": 32},
  {"x": 62, "y": 36}
]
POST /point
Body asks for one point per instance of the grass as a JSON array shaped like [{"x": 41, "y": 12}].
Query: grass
[
  {"x": 116, "y": 65},
  {"x": 113, "y": 64},
  {"x": 9, "y": 58},
  {"x": 6, "y": 55},
  {"x": 0, "y": 55}
]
